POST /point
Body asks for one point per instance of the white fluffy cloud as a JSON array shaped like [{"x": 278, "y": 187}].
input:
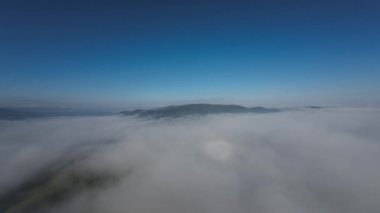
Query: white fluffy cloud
[{"x": 303, "y": 161}]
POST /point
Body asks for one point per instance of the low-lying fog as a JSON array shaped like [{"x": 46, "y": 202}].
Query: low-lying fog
[{"x": 324, "y": 160}]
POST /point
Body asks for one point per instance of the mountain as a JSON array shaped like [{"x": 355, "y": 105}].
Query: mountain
[
  {"x": 13, "y": 114},
  {"x": 21, "y": 113},
  {"x": 195, "y": 109}
]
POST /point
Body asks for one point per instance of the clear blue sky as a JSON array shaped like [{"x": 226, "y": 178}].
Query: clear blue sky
[{"x": 165, "y": 50}]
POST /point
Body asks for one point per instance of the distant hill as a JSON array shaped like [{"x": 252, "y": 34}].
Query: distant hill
[
  {"x": 195, "y": 109},
  {"x": 21, "y": 113},
  {"x": 12, "y": 114}
]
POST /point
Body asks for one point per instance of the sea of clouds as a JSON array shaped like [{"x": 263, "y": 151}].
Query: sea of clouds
[{"x": 313, "y": 161}]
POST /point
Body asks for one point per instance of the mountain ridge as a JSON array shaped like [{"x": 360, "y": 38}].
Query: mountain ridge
[{"x": 175, "y": 111}]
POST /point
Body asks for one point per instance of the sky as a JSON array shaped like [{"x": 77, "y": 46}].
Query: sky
[{"x": 144, "y": 51}]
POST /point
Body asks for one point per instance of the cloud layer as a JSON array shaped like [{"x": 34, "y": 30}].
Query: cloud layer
[{"x": 291, "y": 162}]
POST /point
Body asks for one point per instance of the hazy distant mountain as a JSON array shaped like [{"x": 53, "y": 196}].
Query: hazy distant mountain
[
  {"x": 13, "y": 114},
  {"x": 195, "y": 109},
  {"x": 20, "y": 113}
]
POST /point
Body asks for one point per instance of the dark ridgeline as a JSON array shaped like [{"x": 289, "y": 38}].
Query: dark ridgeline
[
  {"x": 21, "y": 113},
  {"x": 14, "y": 114},
  {"x": 195, "y": 109}
]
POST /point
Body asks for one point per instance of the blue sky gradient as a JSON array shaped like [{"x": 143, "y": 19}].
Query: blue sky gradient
[{"x": 119, "y": 52}]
